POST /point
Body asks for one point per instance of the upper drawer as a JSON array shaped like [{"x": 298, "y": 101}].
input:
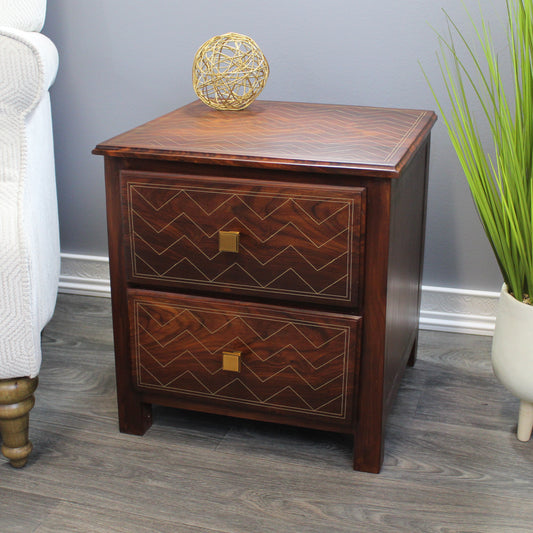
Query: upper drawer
[{"x": 295, "y": 242}]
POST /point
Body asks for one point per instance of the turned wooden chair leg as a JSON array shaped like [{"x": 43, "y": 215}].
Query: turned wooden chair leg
[{"x": 16, "y": 401}]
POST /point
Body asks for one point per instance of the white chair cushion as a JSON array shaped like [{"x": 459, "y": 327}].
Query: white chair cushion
[{"x": 27, "y": 15}]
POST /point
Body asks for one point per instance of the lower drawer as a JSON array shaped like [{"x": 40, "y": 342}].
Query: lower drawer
[{"x": 244, "y": 356}]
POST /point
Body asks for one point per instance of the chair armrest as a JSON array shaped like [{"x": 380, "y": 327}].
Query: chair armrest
[
  {"x": 26, "y": 15},
  {"x": 28, "y": 67}
]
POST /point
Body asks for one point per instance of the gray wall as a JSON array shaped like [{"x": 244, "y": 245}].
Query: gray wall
[{"x": 123, "y": 62}]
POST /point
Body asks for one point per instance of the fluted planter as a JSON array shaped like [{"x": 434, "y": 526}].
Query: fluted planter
[{"x": 512, "y": 356}]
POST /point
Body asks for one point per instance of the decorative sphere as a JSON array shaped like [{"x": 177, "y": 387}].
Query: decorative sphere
[{"x": 229, "y": 71}]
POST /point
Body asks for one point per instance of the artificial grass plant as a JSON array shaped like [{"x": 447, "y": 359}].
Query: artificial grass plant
[{"x": 500, "y": 180}]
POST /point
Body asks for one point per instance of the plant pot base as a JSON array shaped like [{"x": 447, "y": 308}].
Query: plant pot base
[
  {"x": 512, "y": 357},
  {"x": 525, "y": 421}
]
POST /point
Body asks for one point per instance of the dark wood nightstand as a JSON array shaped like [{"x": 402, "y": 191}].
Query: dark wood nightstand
[{"x": 266, "y": 263}]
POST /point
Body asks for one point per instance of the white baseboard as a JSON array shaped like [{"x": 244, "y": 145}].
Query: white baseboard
[
  {"x": 458, "y": 310},
  {"x": 84, "y": 274},
  {"x": 442, "y": 309}
]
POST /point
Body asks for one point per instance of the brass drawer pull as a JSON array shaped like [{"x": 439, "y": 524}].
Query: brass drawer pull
[
  {"x": 231, "y": 361},
  {"x": 228, "y": 241}
]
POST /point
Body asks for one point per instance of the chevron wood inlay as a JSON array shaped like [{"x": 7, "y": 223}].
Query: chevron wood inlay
[
  {"x": 295, "y": 241},
  {"x": 291, "y": 360},
  {"x": 345, "y": 136}
]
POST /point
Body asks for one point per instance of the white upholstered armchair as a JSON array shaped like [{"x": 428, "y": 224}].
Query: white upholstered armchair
[{"x": 29, "y": 236}]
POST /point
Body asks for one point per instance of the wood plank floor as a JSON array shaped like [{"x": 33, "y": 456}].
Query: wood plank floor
[{"x": 452, "y": 461}]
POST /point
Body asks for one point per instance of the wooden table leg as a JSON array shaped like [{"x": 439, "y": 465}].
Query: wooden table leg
[{"x": 412, "y": 356}]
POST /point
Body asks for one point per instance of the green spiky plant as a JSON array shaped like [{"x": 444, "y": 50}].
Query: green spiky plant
[{"x": 501, "y": 184}]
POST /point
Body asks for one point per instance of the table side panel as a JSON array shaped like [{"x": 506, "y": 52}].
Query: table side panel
[{"x": 406, "y": 255}]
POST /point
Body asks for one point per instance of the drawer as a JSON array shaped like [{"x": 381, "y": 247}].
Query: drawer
[
  {"x": 246, "y": 357},
  {"x": 295, "y": 242}
]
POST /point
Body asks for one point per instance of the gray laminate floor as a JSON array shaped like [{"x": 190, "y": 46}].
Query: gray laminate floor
[{"x": 452, "y": 462}]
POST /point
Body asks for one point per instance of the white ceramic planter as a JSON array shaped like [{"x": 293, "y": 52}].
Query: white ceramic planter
[{"x": 512, "y": 356}]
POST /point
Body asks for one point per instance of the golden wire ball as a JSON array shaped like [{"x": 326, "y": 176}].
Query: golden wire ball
[{"x": 229, "y": 71}]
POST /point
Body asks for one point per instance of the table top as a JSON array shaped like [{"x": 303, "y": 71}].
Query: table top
[{"x": 287, "y": 135}]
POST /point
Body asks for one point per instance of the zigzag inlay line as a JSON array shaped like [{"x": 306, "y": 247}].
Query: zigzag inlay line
[
  {"x": 218, "y": 330},
  {"x": 239, "y": 196},
  {"x": 136, "y": 188},
  {"x": 285, "y": 324},
  {"x": 319, "y": 411},
  {"x": 283, "y": 381},
  {"x": 296, "y": 251},
  {"x": 243, "y": 345},
  {"x": 169, "y": 384},
  {"x": 311, "y": 289},
  {"x": 172, "y": 340},
  {"x": 288, "y": 387},
  {"x": 236, "y": 380},
  {"x": 177, "y": 241},
  {"x": 285, "y": 133},
  {"x": 162, "y": 385},
  {"x": 241, "y": 285},
  {"x": 175, "y": 359},
  {"x": 321, "y": 407},
  {"x": 290, "y": 367},
  {"x": 298, "y": 245},
  {"x": 280, "y": 253},
  {"x": 148, "y": 265},
  {"x": 231, "y": 342},
  {"x": 184, "y": 260},
  {"x": 323, "y": 291},
  {"x": 234, "y": 194},
  {"x": 259, "y": 284},
  {"x": 267, "y": 134},
  {"x": 241, "y": 247},
  {"x": 231, "y": 222},
  {"x": 266, "y": 285},
  {"x": 405, "y": 136}
]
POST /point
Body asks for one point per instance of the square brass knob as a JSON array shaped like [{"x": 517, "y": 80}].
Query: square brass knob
[
  {"x": 231, "y": 361},
  {"x": 228, "y": 241}
]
